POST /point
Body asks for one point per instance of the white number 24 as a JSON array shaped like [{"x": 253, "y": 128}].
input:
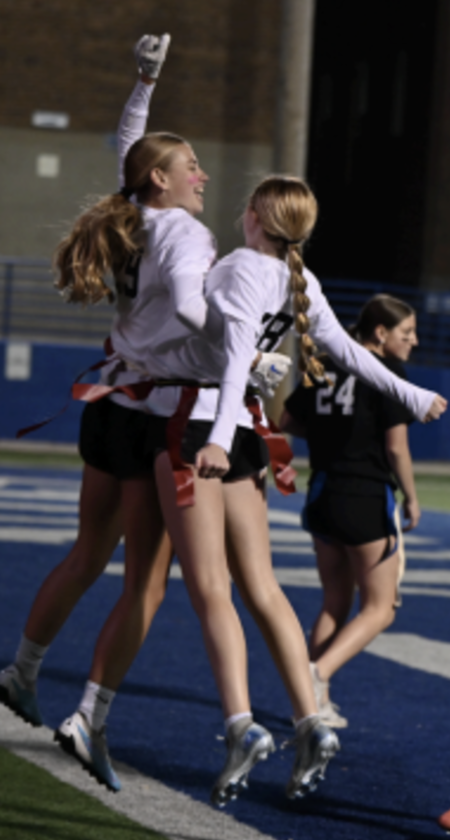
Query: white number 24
[{"x": 345, "y": 396}]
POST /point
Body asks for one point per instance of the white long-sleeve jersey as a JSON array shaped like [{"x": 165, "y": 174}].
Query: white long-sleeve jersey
[
  {"x": 251, "y": 292},
  {"x": 249, "y": 302},
  {"x": 161, "y": 290}
]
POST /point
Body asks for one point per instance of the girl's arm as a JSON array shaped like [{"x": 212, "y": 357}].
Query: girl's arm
[
  {"x": 133, "y": 122},
  {"x": 239, "y": 341},
  {"x": 326, "y": 331},
  {"x": 399, "y": 458},
  {"x": 150, "y": 53}
]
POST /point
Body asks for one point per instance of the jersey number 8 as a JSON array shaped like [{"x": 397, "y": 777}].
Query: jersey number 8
[{"x": 326, "y": 399}]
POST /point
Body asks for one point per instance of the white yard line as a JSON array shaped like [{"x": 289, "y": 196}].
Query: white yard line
[{"x": 427, "y": 655}]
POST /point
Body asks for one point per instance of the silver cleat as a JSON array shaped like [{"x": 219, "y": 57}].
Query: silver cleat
[
  {"x": 316, "y": 744},
  {"x": 244, "y": 751}
]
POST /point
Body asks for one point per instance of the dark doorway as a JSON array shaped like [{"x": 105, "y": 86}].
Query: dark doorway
[{"x": 369, "y": 137}]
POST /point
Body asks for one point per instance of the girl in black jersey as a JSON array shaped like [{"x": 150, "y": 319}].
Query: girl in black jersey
[{"x": 358, "y": 445}]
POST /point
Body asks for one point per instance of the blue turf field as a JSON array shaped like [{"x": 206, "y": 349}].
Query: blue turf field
[{"x": 391, "y": 778}]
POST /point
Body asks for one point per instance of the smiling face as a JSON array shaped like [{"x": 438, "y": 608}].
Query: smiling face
[
  {"x": 400, "y": 340},
  {"x": 182, "y": 183}
]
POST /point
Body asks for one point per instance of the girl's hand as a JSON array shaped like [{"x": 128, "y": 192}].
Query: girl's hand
[
  {"x": 150, "y": 53},
  {"x": 411, "y": 512},
  {"x": 438, "y": 406},
  {"x": 212, "y": 461},
  {"x": 269, "y": 371}
]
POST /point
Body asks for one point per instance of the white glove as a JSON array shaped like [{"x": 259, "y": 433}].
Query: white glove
[
  {"x": 150, "y": 53},
  {"x": 269, "y": 372}
]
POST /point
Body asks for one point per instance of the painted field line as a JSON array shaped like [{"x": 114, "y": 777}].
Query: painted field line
[
  {"x": 142, "y": 799},
  {"x": 416, "y": 652}
]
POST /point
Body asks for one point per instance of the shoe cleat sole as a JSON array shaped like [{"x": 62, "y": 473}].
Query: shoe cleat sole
[{"x": 5, "y": 700}]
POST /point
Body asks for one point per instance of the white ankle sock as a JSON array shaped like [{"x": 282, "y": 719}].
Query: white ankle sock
[
  {"x": 95, "y": 704},
  {"x": 235, "y": 718},
  {"x": 29, "y": 658},
  {"x": 299, "y": 723}
]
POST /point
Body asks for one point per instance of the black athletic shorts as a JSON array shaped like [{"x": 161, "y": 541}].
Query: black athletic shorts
[
  {"x": 114, "y": 439},
  {"x": 124, "y": 442},
  {"x": 249, "y": 453},
  {"x": 351, "y": 519}
]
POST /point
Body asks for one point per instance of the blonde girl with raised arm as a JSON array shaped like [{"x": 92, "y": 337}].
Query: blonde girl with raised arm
[{"x": 157, "y": 233}]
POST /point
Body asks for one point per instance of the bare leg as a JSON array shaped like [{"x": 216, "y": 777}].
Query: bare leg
[
  {"x": 148, "y": 553},
  {"x": 338, "y": 582},
  {"x": 100, "y": 529},
  {"x": 251, "y": 567},
  {"x": 198, "y": 537},
  {"x": 377, "y": 582}
]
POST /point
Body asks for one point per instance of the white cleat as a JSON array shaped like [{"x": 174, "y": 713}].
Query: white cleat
[
  {"x": 328, "y": 711},
  {"x": 89, "y": 747}
]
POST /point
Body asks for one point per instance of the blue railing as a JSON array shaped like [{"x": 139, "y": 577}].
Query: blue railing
[{"x": 30, "y": 308}]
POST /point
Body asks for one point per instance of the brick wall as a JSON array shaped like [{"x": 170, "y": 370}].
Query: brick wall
[{"x": 75, "y": 56}]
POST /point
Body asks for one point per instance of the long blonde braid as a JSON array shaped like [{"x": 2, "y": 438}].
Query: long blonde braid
[
  {"x": 307, "y": 361},
  {"x": 287, "y": 210}
]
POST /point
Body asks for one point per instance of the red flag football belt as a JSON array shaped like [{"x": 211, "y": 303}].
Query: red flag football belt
[{"x": 280, "y": 453}]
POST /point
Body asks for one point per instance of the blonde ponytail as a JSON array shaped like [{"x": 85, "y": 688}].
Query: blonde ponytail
[
  {"x": 102, "y": 240},
  {"x": 110, "y": 231},
  {"x": 287, "y": 210}
]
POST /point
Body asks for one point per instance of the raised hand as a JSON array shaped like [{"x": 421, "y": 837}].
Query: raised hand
[{"x": 150, "y": 53}]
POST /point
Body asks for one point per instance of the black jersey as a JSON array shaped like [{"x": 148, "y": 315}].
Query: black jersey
[{"x": 345, "y": 423}]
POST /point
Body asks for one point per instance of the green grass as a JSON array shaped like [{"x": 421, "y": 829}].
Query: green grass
[
  {"x": 33, "y": 804},
  {"x": 434, "y": 492},
  {"x": 43, "y": 460}
]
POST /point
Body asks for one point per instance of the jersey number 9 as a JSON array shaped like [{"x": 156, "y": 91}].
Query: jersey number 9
[{"x": 127, "y": 280}]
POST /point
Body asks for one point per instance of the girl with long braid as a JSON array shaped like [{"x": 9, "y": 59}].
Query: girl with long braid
[{"x": 254, "y": 291}]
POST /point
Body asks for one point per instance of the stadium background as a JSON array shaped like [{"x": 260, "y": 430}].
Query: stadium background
[
  {"x": 376, "y": 126},
  {"x": 378, "y": 157}
]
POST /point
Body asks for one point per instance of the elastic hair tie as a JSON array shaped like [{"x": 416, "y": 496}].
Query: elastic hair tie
[
  {"x": 126, "y": 193},
  {"x": 293, "y": 241}
]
